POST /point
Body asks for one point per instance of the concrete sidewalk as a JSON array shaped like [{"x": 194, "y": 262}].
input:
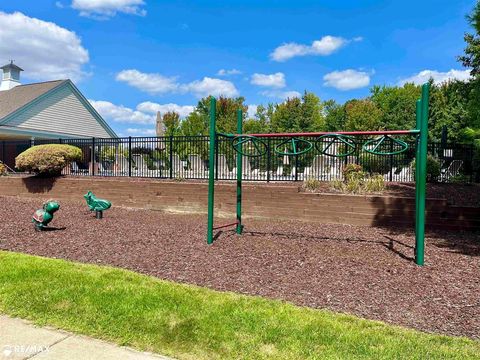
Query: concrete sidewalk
[{"x": 22, "y": 340}]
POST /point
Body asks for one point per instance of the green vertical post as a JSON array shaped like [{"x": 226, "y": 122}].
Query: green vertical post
[
  {"x": 239, "y": 175},
  {"x": 421, "y": 178},
  {"x": 211, "y": 168},
  {"x": 417, "y": 157}
]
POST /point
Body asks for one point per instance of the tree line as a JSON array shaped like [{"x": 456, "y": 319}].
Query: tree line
[{"x": 454, "y": 104}]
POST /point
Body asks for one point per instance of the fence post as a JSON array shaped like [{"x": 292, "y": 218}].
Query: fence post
[
  {"x": 471, "y": 162},
  {"x": 170, "y": 156},
  {"x": 391, "y": 161},
  {"x": 216, "y": 157},
  {"x": 269, "y": 158},
  {"x": 129, "y": 156},
  {"x": 93, "y": 156},
  {"x": 296, "y": 167}
]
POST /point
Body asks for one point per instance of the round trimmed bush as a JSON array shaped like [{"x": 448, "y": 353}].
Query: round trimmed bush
[{"x": 48, "y": 160}]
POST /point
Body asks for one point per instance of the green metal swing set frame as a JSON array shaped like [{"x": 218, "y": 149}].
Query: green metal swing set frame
[{"x": 257, "y": 147}]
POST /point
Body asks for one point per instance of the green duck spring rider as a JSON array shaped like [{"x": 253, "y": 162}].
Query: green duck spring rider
[
  {"x": 42, "y": 217},
  {"x": 97, "y": 205}
]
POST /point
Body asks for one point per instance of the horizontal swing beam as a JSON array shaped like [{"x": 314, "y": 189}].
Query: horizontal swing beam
[{"x": 370, "y": 133}]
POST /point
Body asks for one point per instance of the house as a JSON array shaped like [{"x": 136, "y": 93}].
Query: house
[
  {"x": 50, "y": 110},
  {"x": 47, "y": 110}
]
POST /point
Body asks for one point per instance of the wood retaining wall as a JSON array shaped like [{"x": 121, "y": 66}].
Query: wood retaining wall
[{"x": 260, "y": 201}]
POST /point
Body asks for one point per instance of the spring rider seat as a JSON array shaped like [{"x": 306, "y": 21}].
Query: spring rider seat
[
  {"x": 97, "y": 205},
  {"x": 42, "y": 217}
]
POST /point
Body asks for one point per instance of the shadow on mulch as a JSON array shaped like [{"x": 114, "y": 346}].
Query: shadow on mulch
[
  {"x": 390, "y": 244},
  {"x": 54, "y": 228}
]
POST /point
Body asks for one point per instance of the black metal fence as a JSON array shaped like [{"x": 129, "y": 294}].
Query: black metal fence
[{"x": 182, "y": 157}]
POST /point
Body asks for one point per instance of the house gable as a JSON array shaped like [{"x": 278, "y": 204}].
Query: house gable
[{"x": 62, "y": 110}]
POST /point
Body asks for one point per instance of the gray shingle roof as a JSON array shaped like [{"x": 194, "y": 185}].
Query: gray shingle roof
[{"x": 13, "y": 99}]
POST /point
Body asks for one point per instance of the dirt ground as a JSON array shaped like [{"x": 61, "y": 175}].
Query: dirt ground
[{"x": 364, "y": 271}]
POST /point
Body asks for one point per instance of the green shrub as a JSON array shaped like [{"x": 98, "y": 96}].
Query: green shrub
[
  {"x": 433, "y": 168},
  {"x": 350, "y": 169},
  {"x": 48, "y": 160},
  {"x": 357, "y": 181},
  {"x": 311, "y": 184},
  {"x": 374, "y": 184}
]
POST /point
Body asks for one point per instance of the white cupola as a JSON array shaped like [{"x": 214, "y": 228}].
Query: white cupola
[{"x": 10, "y": 77}]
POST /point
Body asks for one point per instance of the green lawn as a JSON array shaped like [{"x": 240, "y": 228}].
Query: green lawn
[{"x": 190, "y": 322}]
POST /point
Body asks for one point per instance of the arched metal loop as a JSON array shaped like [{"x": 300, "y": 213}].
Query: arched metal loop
[
  {"x": 345, "y": 140},
  {"x": 258, "y": 146},
  {"x": 294, "y": 146},
  {"x": 394, "y": 144}
]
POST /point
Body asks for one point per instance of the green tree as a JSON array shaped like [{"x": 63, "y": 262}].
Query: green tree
[
  {"x": 397, "y": 104},
  {"x": 298, "y": 115},
  {"x": 471, "y": 57},
  {"x": 362, "y": 115},
  {"x": 197, "y": 122},
  {"x": 334, "y": 116},
  {"x": 449, "y": 106},
  {"x": 171, "y": 121}
]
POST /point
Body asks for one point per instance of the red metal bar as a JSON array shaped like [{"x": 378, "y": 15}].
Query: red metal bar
[
  {"x": 380, "y": 132},
  {"x": 224, "y": 226}
]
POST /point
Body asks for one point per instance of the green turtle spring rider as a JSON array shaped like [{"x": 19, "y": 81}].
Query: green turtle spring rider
[
  {"x": 42, "y": 217},
  {"x": 96, "y": 204}
]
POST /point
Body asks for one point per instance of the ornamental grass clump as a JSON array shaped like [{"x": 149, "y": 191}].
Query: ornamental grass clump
[
  {"x": 47, "y": 160},
  {"x": 357, "y": 181}
]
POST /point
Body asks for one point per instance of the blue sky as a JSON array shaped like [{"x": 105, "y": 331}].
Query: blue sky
[{"x": 134, "y": 57}]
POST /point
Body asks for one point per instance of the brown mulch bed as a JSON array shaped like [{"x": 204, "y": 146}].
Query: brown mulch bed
[{"x": 364, "y": 271}]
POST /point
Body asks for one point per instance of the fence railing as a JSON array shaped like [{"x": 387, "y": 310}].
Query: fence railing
[{"x": 186, "y": 157}]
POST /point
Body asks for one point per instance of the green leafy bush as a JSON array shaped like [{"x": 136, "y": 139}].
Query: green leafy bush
[
  {"x": 47, "y": 160},
  {"x": 433, "y": 168}
]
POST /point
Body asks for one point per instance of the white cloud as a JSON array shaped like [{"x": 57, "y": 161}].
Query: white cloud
[
  {"x": 210, "y": 86},
  {"x": 43, "y": 49},
  {"x": 276, "y": 80},
  {"x": 59, "y": 5},
  {"x": 120, "y": 113},
  {"x": 150, "y": 83},
  {"x": 323, "y": 47},
  {"x": 158, "y": 84},
  {"x": 252, "y": 110},
  {"x": 347, "y": 79},
  {"x": 225, "y": 72},
  {"x": 104, "y": 9},
  {"x": 145, "y": 112},
  {"x": 281, "y": 94},
  {"x": 152, "y": 108},
  {"x": 438, "y": 76},
  {"x": 141, "y": 132}
]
